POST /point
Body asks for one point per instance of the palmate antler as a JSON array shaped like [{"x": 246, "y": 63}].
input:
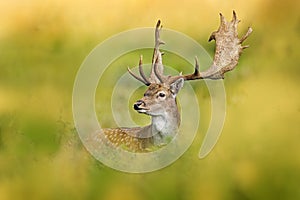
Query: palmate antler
[{"x": 228, "y": 50}]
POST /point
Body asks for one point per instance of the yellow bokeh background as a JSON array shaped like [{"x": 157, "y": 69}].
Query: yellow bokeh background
[{"x": 42, "y": 45}]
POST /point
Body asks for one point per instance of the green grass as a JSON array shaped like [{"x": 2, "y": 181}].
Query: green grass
[{"x": 41, "y": 156}]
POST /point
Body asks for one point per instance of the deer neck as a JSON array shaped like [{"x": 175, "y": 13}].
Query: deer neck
[
  {"x": 165, "y": 126},
  {"x": 165, "y": 123}
]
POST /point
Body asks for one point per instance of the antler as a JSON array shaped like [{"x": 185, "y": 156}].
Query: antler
[
  {"x": 228, "y": 50},
  {"x": 156, "y": 75}
]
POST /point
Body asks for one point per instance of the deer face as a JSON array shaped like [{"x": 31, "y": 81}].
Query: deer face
[{"x": 159, "y": 98}]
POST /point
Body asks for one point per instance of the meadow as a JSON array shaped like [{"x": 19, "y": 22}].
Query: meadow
[{"x": 42, "y": 45}]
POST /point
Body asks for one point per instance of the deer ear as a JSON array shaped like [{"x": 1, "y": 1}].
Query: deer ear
[{"x": 176, "y": 86}]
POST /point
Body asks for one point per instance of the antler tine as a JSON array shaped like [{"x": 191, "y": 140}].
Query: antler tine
[
  {"x": 157, "y": 66},
  {"x": 137, "y": 77},
  {"x": 234, "y": 18},
  {"x": 222, "y": 19},
  {"x": 196, "y": 73},
  {"x": 158, "y": 75},
  {"x": 157, "y": 40},
  {"x": 249, "y": 31},
  {"x": 143, "y": 78},
  {"x": 157, "y": 34},
  {"x": 193, "y": 76},
  {"x": 228, "y": 50},
  {"x": 142, "y": 71}
]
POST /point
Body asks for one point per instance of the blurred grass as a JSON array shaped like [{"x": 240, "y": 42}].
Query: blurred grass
[{"x": 42, "y": 45}]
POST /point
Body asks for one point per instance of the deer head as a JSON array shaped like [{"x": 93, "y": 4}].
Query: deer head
[{"x": 159, "y": 98}]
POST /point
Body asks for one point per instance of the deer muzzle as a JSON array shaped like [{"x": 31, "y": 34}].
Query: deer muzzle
[{"x": 139, "y": 106}]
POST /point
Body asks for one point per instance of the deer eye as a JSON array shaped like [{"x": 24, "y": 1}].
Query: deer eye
[{"x": 161, "y": 94}]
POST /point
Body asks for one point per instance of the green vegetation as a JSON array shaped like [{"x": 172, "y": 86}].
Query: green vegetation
[{"x": 42, "y": 45}]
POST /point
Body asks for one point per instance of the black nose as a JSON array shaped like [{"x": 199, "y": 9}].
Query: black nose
[{"x": 137, "y": 105}]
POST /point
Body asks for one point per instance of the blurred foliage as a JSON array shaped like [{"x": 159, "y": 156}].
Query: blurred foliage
[{"x": 42, "y": 45}]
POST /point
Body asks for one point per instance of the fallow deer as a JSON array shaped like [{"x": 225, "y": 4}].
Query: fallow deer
[{"x": 159, "y": 100}]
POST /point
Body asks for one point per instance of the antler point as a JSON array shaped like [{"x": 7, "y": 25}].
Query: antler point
[
  {"x": 222, "y": 19},
  {"x": 212, "y": 36},
  {"x": 196, "y": 66},
  {"x": 158, "y": 23},
  {"x": 161, "y": 42},
  {"x": 245, "y": 47},
  {"x": 249, "y": 31},
  {"x": 234, "y": 13}
]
